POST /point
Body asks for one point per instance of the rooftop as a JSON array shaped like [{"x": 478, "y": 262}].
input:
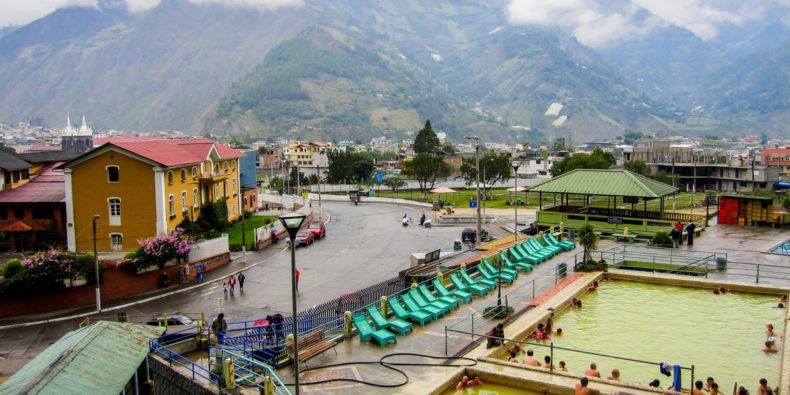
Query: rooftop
[
  {"x": 605, "y": 182},
  {"x": 47, "y": 187},
  {"x": 10, "y": 162},
  {"x": 165, "y": 152}
]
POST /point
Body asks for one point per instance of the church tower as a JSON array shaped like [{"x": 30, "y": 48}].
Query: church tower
[{"x": 76, "y": 140}]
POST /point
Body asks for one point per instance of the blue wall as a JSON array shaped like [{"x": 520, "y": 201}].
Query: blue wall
[{"x": 247, "y": 164}]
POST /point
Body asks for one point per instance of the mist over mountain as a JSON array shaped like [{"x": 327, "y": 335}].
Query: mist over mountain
[{"x": 353, "y": 69}]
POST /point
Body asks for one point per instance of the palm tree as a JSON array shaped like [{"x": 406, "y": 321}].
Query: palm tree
[{"x": 589, "y": 240}]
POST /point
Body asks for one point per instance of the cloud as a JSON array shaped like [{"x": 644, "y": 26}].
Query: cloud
[
  {"x": 597, "y": 22},
  {"x": 21, "y": 12}
]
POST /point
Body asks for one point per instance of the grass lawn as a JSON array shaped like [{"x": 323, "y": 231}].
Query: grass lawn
[
  {"x": 683, "y": 200},
  {"x": 499, "y": 197},
  {"x": 256, "y": 221}
]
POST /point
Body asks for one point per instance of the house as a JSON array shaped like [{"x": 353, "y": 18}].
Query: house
[
  {"x": 142, "y": 187},
  {"x": 14, "y": 172}
]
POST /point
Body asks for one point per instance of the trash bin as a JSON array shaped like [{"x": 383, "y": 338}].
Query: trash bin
[
  {"x": 457, "y": 244},
  {"x": 721, "y": 263},
  {"x": 571, "y": 233}
]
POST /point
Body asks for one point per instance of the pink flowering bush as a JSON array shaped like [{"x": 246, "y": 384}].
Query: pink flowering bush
[
  {"x": 158, "y": 250},
  {"x": 48, "y": 271}
]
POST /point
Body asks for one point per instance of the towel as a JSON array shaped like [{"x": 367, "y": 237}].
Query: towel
[{"x": 676, "y": 379}]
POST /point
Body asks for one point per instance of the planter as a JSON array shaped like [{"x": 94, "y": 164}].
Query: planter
[{"x": 497, "y": 311}]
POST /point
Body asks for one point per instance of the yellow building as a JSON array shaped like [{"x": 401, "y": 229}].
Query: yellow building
[
  {"x": 143, "y": 187},
  {"x": 303, "y": 154}
]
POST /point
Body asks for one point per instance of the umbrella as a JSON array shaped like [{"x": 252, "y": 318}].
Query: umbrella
[
  {"x": 519, "y": 189},
  {"x": 442, "y": 190}
]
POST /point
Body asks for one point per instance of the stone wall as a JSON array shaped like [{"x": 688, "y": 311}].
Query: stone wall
[{"x": 167, "y": 381}]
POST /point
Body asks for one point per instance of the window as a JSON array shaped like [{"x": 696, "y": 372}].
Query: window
[
  {"x": 194, "y": 198},
  {"x": 19, "y": 213},
  {"x": 183, "y": 201},
  {"x": 225, "y": 165},
  {"x": 216, "y": 191},
  {"x": 183, "y": 175},
  {"x": 216, "y": 168},
  {"x": 224, "y": 188},
  {"x": 172, "y": 206},
  {"x": 115, "y": 211},
  {"x": 244, "y": 201},
  {"x": 194, "y": 172},
  {"x": 113, "y": 174},
  {"x": 116, "y": 241},
  {"x": 170, "y": 177},
  {"x": 233, "y": 184}
]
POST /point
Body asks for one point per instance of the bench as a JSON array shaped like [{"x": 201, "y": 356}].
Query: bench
[
  {"x": 310, "y": 345},
  {"x": 619, "y": 236}
]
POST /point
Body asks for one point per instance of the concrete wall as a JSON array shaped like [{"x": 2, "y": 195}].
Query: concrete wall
[
  {"x": 207, "y": 248},
  {"x": 167, "y": 381},
  {"x": 363, "y": 199}
]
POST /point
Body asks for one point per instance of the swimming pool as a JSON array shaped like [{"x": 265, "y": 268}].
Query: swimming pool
[
  {"x": 783, "y": 248},
  {"x": 722, "y": 335},
  {"x": 490, "y": 389}
]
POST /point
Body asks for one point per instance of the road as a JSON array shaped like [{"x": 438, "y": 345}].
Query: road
[{"x": 365, "y": 244}]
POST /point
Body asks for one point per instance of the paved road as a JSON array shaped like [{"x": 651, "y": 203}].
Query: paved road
[{"x": 365, "y": 244}]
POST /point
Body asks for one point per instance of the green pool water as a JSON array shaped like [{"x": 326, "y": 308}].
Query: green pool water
[
  {"x": 490, "y": 389},
  {"x": 722, "y": 335}
]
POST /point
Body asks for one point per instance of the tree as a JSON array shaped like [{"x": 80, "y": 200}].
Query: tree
[
  {"x": 599, "y": 159},
  {"x": 494, "y": 166},
  {"x": 349, "y": 167},
  {"x": 426, "y": 141},
  {"x": 558, "y": 144},
  {"x": 631, "y": 136},
  {"x": 637, "y": 166},
  {"x": 394, "y": 183},
  {"x": 425, "y": 169},
  {"x": 448, "y": 148},
  {"x": 589, "y": 240}
]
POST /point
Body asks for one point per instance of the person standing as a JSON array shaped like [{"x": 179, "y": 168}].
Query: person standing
[
  {"x": 298, "y": 274},
  {"x": 690, "y": 230},
  {"x": 674, "y": 235},
  {"x": 242, "y": 277},
  {"x": 231, "y": 284},
  {"x": 219, "y": 326}
]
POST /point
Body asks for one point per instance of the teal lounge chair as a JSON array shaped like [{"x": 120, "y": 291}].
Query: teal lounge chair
[
  {"x": 492, "y": 268},
  {"x": 423, "y": 302},
  {"x": 482, "y": 281},
  {"x": 568, "y": 243},
  {"x": 366, "y": 332},
  {"x": 551, "y": 249},
  {"x": 493, "y": 276},
  {"x": 527, "y": 249},
  {"x": 430, "y": 297},
  {"x": 400, "y": 312},
  {"x": 476, "y": 289},
  {"x": 412, "y": 306},
  {"x": 396, "y": 324},
  {"x": 537, "y": 249},
  {"x": 518, "y": 265},
  {"x": 521, "y": 255},
  {"x": 466, "y": 297}
]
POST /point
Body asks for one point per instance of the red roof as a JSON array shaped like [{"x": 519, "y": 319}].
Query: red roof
[
  {"x": 171, "y": 152},
  {"x": 47, "y": 187},
  {"x": 17, "y": 227}
]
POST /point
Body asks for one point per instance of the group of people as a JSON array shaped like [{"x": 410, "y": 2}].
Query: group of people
[
  {"x": 545, "y": 331},
  {"x": 676, "y": 234},
  {"x": 467, "y": 382},
  {"x": 229, "y": 286},
  {"x": 529, "y": 359},
  {"x": 770, "y": 339}
]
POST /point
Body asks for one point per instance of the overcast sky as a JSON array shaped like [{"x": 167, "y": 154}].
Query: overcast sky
[{"x": 593, "y": 22}]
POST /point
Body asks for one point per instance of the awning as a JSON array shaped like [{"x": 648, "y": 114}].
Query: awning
[
  {"x": 17, "y": 227},
  {"x": 442, "y": 190},
  {"x": 516, "y": 189}
]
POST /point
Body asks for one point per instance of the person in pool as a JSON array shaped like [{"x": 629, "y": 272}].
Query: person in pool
[
  {"x": 764, "y": 389},
  {"x": 562, "y": 367},
  {"x": 583, "y": 389},
  {"x": 708, "y": 383},
  {"x": 743, "y": 391},
  {"x": 769, "y": 331},
  {"x": 476, "y": 382},
  {"x": 770, "y": 347},
  {"x": 593, "y": 286},
  {"x": 698, "y": 385},
  {"x": 547, "y": 362},
  {"x": 530, "y": 359},
  {"x": 592, "y": 371},
  {"x": 512, "y": 357},
  {"x": 463, "y": 383},
  {"x": 615, "y": 375},
  {"x": 714, "y": 389},
  {"x": 655, "y": 383},
  {"x": 558, "y": 332}
]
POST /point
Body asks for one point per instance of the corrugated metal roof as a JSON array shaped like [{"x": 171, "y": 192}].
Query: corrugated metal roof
[
  {"x": 48, "y": 186},
  {"x": 605, "y": 182},
  {"x": 97, "y": 359},
  {"x": 10, "y": 162}
]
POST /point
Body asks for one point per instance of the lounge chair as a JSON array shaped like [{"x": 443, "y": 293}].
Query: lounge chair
[
  {"x": 424, "y": 302},
  {"x": 400, "y": 312},
  {"x": 492, "y": 276},
  {"x": 568, "y": 243},
  {"x": 381, "y": 322},
  {"x": 476, "y": 289},
  {"x": 492, "y": 268},
  {"x": 537, "y": 249},
  {"x": 430, "y": 297},
  {"x": 526, "y": 248},
  {"x": 410, "y": 304},
  {"x": 521, "y": 255},
  {"x": 482, "y": 281},
  {"x": 464, "y": 296},
  {"x": 517, "y": 265},
  {"x": 552, "y": 249},
  {"x": 366, "y": 332}
]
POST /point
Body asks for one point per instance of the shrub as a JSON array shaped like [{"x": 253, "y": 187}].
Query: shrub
[
  {"x": 786, "y": 202},
  {"x": 12, "y": 267},
  {"x": 497, "y": 311},
  {"x": 662, "y": 239}
]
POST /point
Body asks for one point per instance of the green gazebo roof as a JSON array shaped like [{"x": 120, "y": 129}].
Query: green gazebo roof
[{"x": 605, "y": 182}]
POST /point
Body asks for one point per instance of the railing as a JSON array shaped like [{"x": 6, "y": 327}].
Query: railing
[
  {"x": 250, "y": 373},
  {"x": 175, "y": 359}
]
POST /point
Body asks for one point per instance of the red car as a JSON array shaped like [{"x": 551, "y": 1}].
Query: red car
[
  {"x": 318, "y": 229},
  {"x": 304, "y": 238}
]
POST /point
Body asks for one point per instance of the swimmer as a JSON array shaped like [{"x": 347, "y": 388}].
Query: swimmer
[
  {"x": 605, "y": 275},
  {"x": 715, "y": 291},
  {"x": 583, "y": 389},
  {"x": 579, "y": 304},
  {"x": 558, "y": 332},
  {"x": 463, "y": 383},
  {"x": 723, "y": 290},
  {"x": 530, "y": 359},
  {"x": 655, "y": 383},
  {"x": 615, "y": 375},
  {"x": 592, "y": 371},
  {"x": 593, "y": 286},
  {"x": 708, "y": 383},
  {"x": 575, "y": 303},
  {"x": 769, "y": 347},
  {"x": 714, "y": 389},
  {"x": 477, "y": 381},
  {"x": 697, "y": 388},
  {"x": 512, "y": 357},
  {"x": 549, "y": 325},
  {"x": 562, "y": 367},
  {"x": 742, "y": 391},
  {"x": 517, "y": 348},
  {"x": 547, "y": 362},
  {"x": 764, "y": 389},
  {"x": 769, "y": 330}
]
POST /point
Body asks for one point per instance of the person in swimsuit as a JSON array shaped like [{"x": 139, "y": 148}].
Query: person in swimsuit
[
  {"x": 530, "y": 359},
  {"x": 764, "y": 389},
  {"x": 562, "y": 367},
  {"x": 615, "y": 375},
  {"x": 592, "y": 371},
  {"x": 583, "y": 389}
]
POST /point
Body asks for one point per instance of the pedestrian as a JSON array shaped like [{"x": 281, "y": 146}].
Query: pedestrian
[
  {"x": 219, "y": 326},
  {"x": 679, "y": 229},
  {"x": 690, "y": 230},
  {"x": 231, "y": 284},
  {"x": 242, "y": 277},
  {"x": 674, "y": 235},
  {"x": 298, "y": 274},
  {"x": 225, "y": 288},
  {"x": 187, "y": 272}
]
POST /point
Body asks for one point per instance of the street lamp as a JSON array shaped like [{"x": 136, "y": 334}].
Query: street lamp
[
  {"x": 515, "y": 165},
  {"x": 96, "y": 258},
  {"x": 477, "y": 186},
  {"x": 292, "y": 222}
]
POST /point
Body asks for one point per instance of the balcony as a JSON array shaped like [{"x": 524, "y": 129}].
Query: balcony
[{"x": 211, "y": 178}]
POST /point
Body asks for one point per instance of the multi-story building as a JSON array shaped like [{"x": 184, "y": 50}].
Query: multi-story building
[
  {"x": 776, "y": 157},
  {"x": 141, "y": 187},
  {"x": 302, "y": 154},
  {"x": 14, "y": 172}
]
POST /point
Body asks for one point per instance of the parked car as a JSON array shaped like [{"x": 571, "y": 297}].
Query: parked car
[
  {"x": 470, "y": 235},
  {"x": 179, "y": 327},
  {"x": 317, "y": 228},
  {"x": 304, "y": 238}
]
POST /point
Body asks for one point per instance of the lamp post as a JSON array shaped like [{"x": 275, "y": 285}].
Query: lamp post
[
  {"x": 243, "y": 235},
  {"x": 477, "y": 186},
  {"x": 292, "y": 222},
  {"x": 96, "y": 258},
  {"x": 515, "y": 165}
]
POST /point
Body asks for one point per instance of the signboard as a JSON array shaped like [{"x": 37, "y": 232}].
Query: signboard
[
  {"x": 710, "y": 200},
  {"x": 630, "y": 199},
  {"x": 615, "y": 220},
  {"x": 473, "y": 204},
  {"x": 432, "y": 256},
  {"x": 378, "y": 176}
]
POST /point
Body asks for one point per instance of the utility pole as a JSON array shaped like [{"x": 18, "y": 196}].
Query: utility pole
[
  {"x": 477, "y": 186},
  {"x": 96, "y": 258}
]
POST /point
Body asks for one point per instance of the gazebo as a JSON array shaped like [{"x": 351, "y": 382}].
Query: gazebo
[{"x": 580, "y": 192}]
